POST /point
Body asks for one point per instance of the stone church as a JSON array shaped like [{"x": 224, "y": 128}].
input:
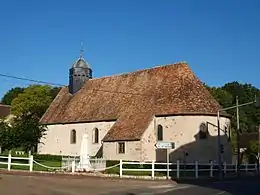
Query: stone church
[{"x": 126, "y": 115}]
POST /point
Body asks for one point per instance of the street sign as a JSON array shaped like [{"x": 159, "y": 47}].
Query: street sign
[{"x": 165, "y": 145}]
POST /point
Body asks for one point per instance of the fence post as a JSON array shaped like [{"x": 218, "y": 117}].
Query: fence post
[
  {"x": 225, "y": 167},
  {"x": 31, "y": 163},
  {"x": 153, "y": 161},
  {"x": 255, "y": 166},
  {"x": 211, "y": 168},
  {"x": 73, "y": 165},
  {"x": 9, "y": 162},
  {"x": 236, "y": 166},
  {"x": 121, "y": 168},
  {"x": 178, "y": 169},
  {"x": 246, "y": 167},
  {"x": 196, "y": 169}
]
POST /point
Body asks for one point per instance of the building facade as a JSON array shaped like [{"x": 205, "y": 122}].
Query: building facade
[{"x": 126, "y": 115}]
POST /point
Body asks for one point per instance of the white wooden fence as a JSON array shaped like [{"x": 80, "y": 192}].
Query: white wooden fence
[
  {"x": 196, "y": 169},
  {"x": 152, "y": 168},
  {"x": 9, "y": 161}
]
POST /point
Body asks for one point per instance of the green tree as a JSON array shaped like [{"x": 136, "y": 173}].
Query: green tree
[
  {"x": 29, "y": 131},
  {"x": 33, "y": 101},
  {"x": 11, "y": 94},
  {"x": 28, "y": 107},
  {"x": 8, "y": 137},
  {"x": 54, "y": 91},
  {"x": 252, "y": 152},
  {"x": 249, "y": 115},
  {"x": 223, "y": 97}
]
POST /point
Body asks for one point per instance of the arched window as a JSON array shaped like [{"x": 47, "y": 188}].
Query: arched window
[
  {"x": 159, "y": 133},
  {"x": 73, "y": 136},
  {"x": 203, "y": 133},
  {"x": 96, "y": 135}
]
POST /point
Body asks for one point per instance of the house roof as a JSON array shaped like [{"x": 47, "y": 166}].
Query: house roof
[
  {"x": 4, "y": 110},
  {"x": 133, "y": 99}
]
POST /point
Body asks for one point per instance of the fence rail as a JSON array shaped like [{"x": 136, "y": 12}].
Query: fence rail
[
  {"x": 151, "y": 168},
  {"x": 10, "y": 162},
  {"x": 197, "y": 169}
]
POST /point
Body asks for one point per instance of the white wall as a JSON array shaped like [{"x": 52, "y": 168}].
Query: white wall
[
  {"x": 179, "y": 129},
  {"x": 142, "y": 150},
  {"x": 183, "y": 130},
  {"x": 132, "y": 151},
  {"x": 57, "y": 139}
]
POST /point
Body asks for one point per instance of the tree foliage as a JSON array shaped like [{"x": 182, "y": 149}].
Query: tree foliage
[
  {"x": 8, "y": 137},
  {"x": 249, "y": 116},
  {"x": 27, "y": 105},
  {"x": 29, "y": 131},
  {"x": 11, "y": 94},
  {"x": 252, "y": 151},
  {"x": 33, "y": 101}
]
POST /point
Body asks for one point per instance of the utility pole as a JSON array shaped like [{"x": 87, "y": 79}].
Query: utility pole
[
  {"x": 238, "y": 136},
  {"x": 257, "y": 104},
  {"x": 258, "y": 153}
]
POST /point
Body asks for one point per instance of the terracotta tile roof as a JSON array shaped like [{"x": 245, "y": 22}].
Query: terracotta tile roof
[
  {"x": 4, "y": 110},
  {"x": 133, "y": 99}
]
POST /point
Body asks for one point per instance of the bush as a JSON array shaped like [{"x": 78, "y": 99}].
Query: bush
[{"x": 47, "y": 157}]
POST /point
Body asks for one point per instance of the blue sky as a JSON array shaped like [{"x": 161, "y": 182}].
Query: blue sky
[{"x": 41, "y": 39}]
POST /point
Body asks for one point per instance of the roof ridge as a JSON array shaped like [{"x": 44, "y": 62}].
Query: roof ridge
[{"x": 145, "y": 69}]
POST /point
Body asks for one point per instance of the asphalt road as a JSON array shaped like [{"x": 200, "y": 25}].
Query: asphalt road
[
  {"x": 31, "y": 184},
  {"x": 249, "y": 186}
]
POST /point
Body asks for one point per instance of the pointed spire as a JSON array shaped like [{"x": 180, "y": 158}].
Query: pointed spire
[{"x": 81, "y": 54}]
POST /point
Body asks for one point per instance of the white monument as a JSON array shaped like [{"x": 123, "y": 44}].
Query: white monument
[{"x": 84, "y": 164}]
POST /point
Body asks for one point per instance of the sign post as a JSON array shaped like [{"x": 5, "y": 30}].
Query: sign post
[
  {"x": 168, "y": 166},
  {"x": 166, "y": 146}
]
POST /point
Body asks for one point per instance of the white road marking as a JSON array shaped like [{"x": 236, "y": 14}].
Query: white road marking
[
  {"x": 219, "y": 193},
  {"x": 177, "y": 188},
  {"x": 147, "y": 193},
  {"x": 172, "y": 188},
  {"x": 163, "y": 186}
]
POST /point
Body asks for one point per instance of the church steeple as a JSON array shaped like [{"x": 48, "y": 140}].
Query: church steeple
[
  {"x": 79, "y": 73},
  {"x": 81, "y": 53}
]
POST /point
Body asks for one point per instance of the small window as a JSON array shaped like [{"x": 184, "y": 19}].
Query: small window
[
  {"x": 159, "y": 133},
  {"x": 203, "y": 133},
  {"x": 121, "y": 147},
  {"x": 96, "y": 136},
  {"x": 73, "y": 137}
]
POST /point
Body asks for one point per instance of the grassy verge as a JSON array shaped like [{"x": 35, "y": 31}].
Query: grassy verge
[{"x": 36, "y": 167}]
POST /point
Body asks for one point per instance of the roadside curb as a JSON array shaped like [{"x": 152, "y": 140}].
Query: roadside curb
[{"x": 96, "y": 175}]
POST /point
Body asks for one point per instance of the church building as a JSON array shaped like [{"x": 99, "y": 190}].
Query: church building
[{"x": 125, "y": 116}]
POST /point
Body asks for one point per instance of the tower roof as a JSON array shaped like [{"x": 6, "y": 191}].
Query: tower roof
[{"x": 80, "y": 63}]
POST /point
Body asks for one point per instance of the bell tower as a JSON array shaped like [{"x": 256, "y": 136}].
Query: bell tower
[{"x": 79, "y": 73}]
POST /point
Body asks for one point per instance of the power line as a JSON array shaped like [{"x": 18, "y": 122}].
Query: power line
[
  {"x": 56, "y": 84},
  {"x": 31, "y": 80}
]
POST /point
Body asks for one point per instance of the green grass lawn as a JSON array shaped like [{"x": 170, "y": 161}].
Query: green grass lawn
[{"x": 36, "y": 167}]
